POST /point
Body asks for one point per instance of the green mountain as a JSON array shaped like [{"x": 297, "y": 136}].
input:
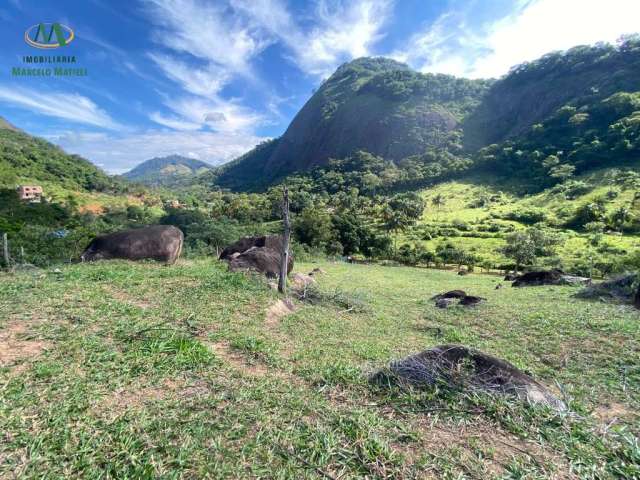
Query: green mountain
[
  {"x": 172, "y": 170},
  {"x": 373, "y": 104},
  {"x": 28, "y": 159},
  {"x": 5, "y": 125},
  {"x": 566, "y": 113}
]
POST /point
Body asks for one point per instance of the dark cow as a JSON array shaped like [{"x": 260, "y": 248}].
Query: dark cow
[{"x": 159, "y": 242}]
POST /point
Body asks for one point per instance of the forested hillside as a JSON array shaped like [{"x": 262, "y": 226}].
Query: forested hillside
[
  {"x": 564, "y": 114},
  {"x": 372, "y": 104},
  {"x": 28, "y": 159}
]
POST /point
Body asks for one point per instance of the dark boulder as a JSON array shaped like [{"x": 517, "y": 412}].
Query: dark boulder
[
  {"x": 467, "y": 369},
  {"x": 542, "y": 277},
  {"x": 261, "y": 260},
  {"x": 445, "y": 302},
  {"x": 462, "y": 272},
  {"x": 450, "y": 294},
  {"x": 158, "y": 242},
  {"x": 273, "y": 242},
  {"x": 471, "y": 300},
  {"x": 258, "y": 254}
]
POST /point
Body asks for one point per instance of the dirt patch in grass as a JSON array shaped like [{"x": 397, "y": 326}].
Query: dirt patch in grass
[
  {"x": 278, "y": 310},
  {"x": 612, "y": 412},
  {"x": 137, "y": 396},
  {"x": 126, "y": 297},
  {"x": 483, "y": 443},
  {"x": 236, "y": 360},
  {"x": 16, "y": 344}
]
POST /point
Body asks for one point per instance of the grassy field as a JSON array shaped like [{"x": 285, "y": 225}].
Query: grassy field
[
  {"x": 459, "y": 206},
  {"x": 122, "y": 370}
]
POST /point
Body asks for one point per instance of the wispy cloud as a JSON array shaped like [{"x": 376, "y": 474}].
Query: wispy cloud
[
  {"x": 206, "y": 31},
  {"x": 119, "y": 153},
  {"x": 341, "y": 31},
  {"x": 457, "y": 45},
  {"x": 68, "y": 106},
  {"x": 206, "y": 81},
  {"x": 219, "y": 47}
]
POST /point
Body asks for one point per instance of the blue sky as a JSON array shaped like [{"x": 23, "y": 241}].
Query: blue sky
[{"x": 210, "y": 79}]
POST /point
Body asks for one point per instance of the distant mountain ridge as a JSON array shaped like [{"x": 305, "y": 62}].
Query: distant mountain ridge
[{"x": 167, "y": 171}]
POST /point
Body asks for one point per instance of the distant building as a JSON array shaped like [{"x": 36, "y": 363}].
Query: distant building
[{"x": 30, "y": 193}]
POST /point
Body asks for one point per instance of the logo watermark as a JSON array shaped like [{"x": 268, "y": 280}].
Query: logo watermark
[
  {"x": 48, "y": 36},
  {"x": 42, "y": 35}
]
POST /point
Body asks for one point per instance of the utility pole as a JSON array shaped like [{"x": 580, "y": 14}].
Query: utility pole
[
  {"x": 5, "y": 249},
  {"x": 284, "y": 254}
]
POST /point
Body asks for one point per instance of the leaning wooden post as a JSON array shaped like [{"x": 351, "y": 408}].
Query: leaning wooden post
[
  {"x": 5, "y": 249},
  {"x": 284, "y": 254}
]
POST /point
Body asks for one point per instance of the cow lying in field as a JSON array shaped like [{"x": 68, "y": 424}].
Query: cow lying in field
[{"x": 158, "y": 242}]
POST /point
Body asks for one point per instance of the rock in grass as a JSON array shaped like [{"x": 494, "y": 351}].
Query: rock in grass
[
  {"x": 617, "y": 289},
  {"x": 550, "y": 277},
  {"x": 452, "y": 297},
  {"x": 445, "y": 302},
  {"x": 450, "y": 294},
  {"x": 471, "y": 300},
  {"x": 467, "y": 369}
]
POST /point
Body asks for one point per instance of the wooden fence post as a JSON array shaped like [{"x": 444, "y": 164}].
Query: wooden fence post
[
  {"x": 5, "y": 250},
  {"x": 284, "y": 254}
]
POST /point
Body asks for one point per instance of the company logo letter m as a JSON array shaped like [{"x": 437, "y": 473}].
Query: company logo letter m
[{"x": 55, "y": 28}]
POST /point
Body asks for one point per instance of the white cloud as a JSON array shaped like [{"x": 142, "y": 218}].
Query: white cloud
[
  {"x": 173, "y": 123},
  {"x": 68, "y": 106},
  {"x": 533, "y": 28},
  {"x": 119, "y": 153},
  {"x": 342, "y": 30},
  {"x": 205, "y": 31},
  {"x": 199, "y": 81}
]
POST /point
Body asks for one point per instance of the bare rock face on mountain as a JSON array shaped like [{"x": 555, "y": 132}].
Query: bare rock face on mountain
[
  {"x": 259, "y": 254},
  {"x": 377, "y": 105},
  {"x": 468, "y": 369}
]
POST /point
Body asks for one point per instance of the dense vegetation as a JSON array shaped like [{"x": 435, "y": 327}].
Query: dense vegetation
[
  {"x": 25, "y": 159},
  {"x": 384, "y": 203}
]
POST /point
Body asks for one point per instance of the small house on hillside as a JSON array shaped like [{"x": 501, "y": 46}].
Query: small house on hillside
[{"x": 30, "y": 193}]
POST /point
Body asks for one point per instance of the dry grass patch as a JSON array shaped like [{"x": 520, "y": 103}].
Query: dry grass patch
[{"x": 17, "y": 343}]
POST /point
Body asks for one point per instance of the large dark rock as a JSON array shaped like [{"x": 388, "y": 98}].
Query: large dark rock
[
  {"x": 258, "y": 254},
  {"x": 618, "y": 289},
  {"x": 450, "y": 294},
  {"x": 273, "y": 242},
  {"x": 468, "y": 369},
  {"x": 542, "y": 277},
  {"x": 158, "y": 242}
]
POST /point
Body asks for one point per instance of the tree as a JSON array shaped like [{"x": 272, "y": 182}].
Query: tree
[
  {"x": 313, "y": 227},
  {"x": 621, "y": 216},
  {"x": 402, "y": 211},
  {"x": 524, "y": 247}
]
